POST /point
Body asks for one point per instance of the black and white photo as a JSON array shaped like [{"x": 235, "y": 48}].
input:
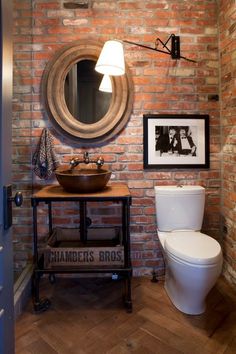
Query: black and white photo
[{"x": 176, "y": 141}]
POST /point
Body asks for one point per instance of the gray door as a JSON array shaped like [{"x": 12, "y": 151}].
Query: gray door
[{"x": 6, "y": 254}]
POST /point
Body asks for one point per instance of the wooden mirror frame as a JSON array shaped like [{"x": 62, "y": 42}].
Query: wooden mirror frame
[{"x": 53, "y": 90}]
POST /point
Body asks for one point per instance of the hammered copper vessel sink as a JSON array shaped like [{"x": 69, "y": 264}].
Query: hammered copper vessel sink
[{"x": 83, "y": 180}]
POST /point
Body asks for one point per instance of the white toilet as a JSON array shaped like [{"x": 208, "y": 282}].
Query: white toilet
[{"x": 193, "y": 259}]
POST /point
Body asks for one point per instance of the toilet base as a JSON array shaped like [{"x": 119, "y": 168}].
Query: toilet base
[
  {"x": 187, "y": 285},
  {"x": 193, "y": 309}
]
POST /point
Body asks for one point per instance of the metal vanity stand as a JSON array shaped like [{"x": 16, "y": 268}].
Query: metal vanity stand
[{"x": 117, "y": 193}]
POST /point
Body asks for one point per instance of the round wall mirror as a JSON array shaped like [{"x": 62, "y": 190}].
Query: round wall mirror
[{"x": 73, "y": 99}]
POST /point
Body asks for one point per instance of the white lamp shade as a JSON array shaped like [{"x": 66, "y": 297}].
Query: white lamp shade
[
  {"x": 105, "y": 85},
  {"x": 111, "y": 60}
]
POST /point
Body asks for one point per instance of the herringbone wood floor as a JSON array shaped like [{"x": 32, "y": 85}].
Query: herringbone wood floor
[{"x": 87, "y": 316}]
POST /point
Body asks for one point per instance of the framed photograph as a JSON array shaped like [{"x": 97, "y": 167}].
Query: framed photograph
[{"x": 176, "y": 141}]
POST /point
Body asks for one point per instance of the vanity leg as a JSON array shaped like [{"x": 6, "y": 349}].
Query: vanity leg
[
  {"x": 83, "y": 226},
  {"x": 50, "y": 217},
  {"x": 35, "y": 232},
  {"x": 40, "y": 305},
  {"x": 127, "y": 294},
  {"x": 35, "y": 288},
  {"x": 127, "y": 258}
]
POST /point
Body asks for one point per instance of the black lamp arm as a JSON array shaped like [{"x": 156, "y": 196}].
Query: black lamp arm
[
  {"x": 174, "y": 52},
  {"x": 158, "y": 40},
  {"x": 145, "y": 46}
]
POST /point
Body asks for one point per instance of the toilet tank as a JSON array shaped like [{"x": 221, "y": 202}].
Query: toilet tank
[{"x": 179, "y": 207}]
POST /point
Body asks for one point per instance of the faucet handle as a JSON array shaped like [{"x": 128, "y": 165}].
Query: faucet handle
[
  {"x": 74, "y": 162},
  {"x": 100, "y": 161}
]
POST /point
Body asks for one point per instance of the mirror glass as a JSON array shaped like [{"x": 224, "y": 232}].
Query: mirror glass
[{"x": 82, "y": 95}]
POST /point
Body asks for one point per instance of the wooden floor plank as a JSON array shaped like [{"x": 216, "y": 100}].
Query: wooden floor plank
[
  {"x": 174, "y": 326},
  {"x": 142, "y": 342},
  {"x": 29, "y": 336},
  {"x": 40, "y": 346},
  {"x": 87, "y": 317},
  {"x": 224, "y": 336},
  {"x": 231, "y": 348},
  {"x": 179, "y": 342}
]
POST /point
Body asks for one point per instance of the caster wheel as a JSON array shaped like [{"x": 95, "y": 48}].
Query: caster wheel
[
  {"x": 42, "y": 305},
  {"x": 154, "y": 277},
  {"x": 129, "y": 307}
]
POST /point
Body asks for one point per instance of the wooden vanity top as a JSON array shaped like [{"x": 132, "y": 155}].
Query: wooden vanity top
[{"x": 56, "y": 192}]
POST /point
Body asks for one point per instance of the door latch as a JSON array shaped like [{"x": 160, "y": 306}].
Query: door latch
[{"x": 7, "y": 204}]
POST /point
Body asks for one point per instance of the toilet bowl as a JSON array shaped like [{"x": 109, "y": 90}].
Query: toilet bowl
[
  {"x": 193, "y": 259},
  {"x": 193, "y": 264}
]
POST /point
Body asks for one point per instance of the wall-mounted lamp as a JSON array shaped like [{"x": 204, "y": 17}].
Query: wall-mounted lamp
[
  {"x": 105, "y": 85},
  {"x": 111, "y": 60}
]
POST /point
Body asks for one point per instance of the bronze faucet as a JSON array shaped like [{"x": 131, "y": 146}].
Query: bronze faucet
[{"x": 75, "y": 161}]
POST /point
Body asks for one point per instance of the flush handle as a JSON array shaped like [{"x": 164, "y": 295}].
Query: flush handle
[{"x": 7, "y": 204}]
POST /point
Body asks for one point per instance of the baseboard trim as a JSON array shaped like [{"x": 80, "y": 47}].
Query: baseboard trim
[{"x": 22, "y": 290}]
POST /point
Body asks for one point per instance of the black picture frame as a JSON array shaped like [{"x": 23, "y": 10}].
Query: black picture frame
[{"x": 176, "y": 141}]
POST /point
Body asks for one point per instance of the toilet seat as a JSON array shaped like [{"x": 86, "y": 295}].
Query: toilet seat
[{"x": 193, "y": 247}]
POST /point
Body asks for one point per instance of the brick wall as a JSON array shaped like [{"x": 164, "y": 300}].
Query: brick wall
[
  {"x": 22, "y": 129},
  {"x": 161, "y": 85},
  {"x": 227, "y": 30}
]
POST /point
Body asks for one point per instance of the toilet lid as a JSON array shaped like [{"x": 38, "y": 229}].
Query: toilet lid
[{"x": 194, "y": 247}]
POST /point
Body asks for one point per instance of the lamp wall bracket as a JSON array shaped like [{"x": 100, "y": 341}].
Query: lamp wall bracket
[{"x": 174, "y": 50}]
